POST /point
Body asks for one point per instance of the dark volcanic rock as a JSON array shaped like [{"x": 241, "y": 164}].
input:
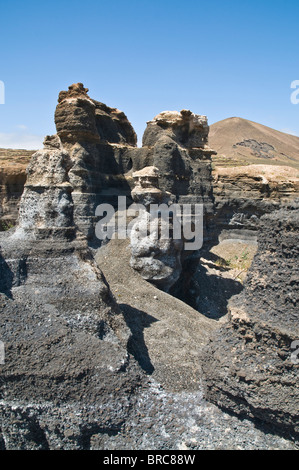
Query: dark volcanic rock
[
  {"x": 75, "y": 116},
  {"x": 113, "y": 125},
  {"x": 177, "y": 144},
  {"x": 248, "y": 367},
  {"x": 67, "y": 374},
  {"x": 259, "y": 149},
  {"x": 186, "y": 128}
]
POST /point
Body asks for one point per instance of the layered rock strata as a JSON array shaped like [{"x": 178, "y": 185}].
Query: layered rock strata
[
  {"x": 13, "y": 165},
  {"x": 244, "y": 193}
]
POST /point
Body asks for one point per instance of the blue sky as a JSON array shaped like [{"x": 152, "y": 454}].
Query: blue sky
[{"x": 218, "y": 58}]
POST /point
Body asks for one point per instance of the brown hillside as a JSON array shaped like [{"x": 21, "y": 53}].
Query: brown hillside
[{"x": 238, "y": 141}]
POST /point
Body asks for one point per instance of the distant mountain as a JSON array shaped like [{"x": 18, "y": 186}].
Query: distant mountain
[{"x": 241, "y": 142}]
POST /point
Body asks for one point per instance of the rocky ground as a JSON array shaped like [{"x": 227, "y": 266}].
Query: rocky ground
[
  {"x": 165, "y": 420},
  {"x": 166, "y": 333}
]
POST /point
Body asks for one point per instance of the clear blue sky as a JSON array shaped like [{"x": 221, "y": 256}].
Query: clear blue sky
[{"x": 218, "y": 58}]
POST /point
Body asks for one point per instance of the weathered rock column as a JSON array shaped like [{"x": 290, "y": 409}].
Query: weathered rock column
[{"x": 156, "y": 258}]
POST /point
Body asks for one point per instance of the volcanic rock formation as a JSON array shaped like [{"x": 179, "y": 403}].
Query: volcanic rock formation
[
  {"x": 65, "y": 339},
  {"x": 177, "y": 144},
  {"x": 247, "y": 366},
  {"x": 68, "y": 376},
  {"x": 71, "y": 375},
  {"x": 97, "y": 139}
]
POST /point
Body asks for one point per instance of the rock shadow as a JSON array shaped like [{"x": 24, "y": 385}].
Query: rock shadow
[
  {"x": 137, "y": 321},
  {"x": 213, "y": 293},
  {"x": 6, "y": 278}
]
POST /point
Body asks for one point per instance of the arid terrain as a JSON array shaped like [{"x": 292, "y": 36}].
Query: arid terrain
[{"x": 238, "y": 141}]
